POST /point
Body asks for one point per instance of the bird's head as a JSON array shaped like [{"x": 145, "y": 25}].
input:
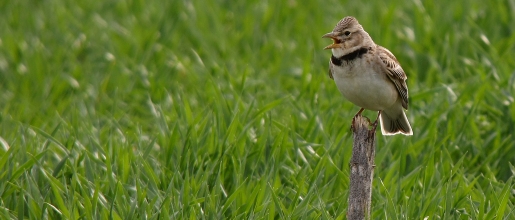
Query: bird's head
[{"x": 347, "y": 34}]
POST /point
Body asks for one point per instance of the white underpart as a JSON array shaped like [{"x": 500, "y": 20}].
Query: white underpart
[{"x": 364, "y": 84}]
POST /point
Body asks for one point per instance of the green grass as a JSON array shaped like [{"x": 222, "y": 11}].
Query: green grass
[{"x": 216, "y": 109}]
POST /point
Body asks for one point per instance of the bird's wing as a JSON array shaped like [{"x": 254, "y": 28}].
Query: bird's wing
[{"x": 395, "y": 73}]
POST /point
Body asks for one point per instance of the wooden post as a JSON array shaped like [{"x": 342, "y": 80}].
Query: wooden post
[{"x": 361, "y": 169}]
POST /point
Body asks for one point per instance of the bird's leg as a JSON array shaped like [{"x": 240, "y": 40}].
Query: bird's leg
[
  {"x": 359, "y": 112},
  {"x": 377, "y": 120},
  {"x": 354, "y": 118},
  {"x": 374, "y": 125}
]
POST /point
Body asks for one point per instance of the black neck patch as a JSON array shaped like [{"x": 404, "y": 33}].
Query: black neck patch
[{"x": 349, "y": 57}]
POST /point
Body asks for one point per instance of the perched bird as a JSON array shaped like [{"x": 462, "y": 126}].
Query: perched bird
[{"x": 369, "y": 76}]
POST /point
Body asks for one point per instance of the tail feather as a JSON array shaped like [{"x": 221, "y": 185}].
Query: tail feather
[{"x": 398, "y": 124}]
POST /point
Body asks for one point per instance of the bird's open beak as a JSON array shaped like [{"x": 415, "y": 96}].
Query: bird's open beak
[{"x": 336, "y": 42}]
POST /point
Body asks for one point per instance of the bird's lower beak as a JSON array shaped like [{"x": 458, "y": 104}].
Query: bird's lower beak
[{"x": 336, "y": 43}]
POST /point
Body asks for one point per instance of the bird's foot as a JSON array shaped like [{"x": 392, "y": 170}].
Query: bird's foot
[{"x": 354, "y": 119}]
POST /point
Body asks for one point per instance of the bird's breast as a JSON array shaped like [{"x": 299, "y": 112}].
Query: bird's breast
[{"x": 364, "y": 84}]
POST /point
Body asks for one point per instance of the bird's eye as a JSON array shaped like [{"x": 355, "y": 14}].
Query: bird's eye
[{"x": 347, "y": 33}]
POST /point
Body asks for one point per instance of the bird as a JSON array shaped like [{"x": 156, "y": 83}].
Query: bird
[{"x": 369, "y": 76}]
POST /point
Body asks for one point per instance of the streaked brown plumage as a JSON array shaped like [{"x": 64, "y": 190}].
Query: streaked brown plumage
[{"x": 369, "y": 75}]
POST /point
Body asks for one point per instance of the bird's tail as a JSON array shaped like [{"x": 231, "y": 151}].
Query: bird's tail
[{"x": 395, "y": 122}]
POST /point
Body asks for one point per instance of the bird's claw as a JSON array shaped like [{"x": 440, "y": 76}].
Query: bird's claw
[{"x": 352, "y": 127}]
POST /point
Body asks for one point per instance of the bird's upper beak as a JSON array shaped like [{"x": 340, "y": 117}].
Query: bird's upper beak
[{"x": 336, "y": 42}]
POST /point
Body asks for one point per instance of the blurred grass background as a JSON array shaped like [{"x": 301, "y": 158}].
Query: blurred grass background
[{"x": 217, "y": 109}]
